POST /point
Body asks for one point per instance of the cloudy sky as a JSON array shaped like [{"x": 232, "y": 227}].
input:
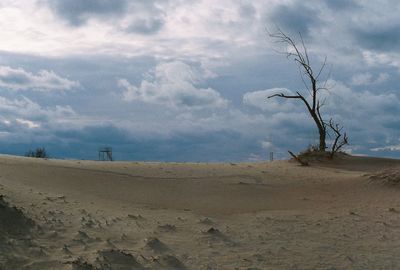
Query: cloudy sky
[{"x": 187, "y": 80}]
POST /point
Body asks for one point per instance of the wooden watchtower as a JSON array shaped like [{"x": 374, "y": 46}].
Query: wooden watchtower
[{"x": 105, "y": 154}]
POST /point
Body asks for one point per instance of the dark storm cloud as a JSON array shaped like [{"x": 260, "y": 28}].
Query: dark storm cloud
[
  {"x": 143, "y": 17},
  {"x": 341, "y": 4},
  {"x": 77, "y": 12},
  {"x": 379, "y": 38},
  {"x": 215, "y": 146},
  {"x": 146, "y": 26},
  {"x": 247, "y": 11},
  {"x": 147, "y": 17},
  {"x": 296, "y": 18}
]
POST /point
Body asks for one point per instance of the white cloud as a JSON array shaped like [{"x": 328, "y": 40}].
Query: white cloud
[
  {"x": 173, "y": 84},
  {"x": 260, "y": 100},
  {"x": 368, "y": 78},
  {"x": 361, "y": 105},
  {"x": 383, "y": 77},
  {"x": 361, "y": 79},
  {"x": 386, "y": 148},
  {"x": 376, "y": 59},
  {"x": 24, "y": 121},
  {"x": 267, "y": 145},
  {"x": 28, "y": 123},
  {"x": 25, "y": 111},
  {"x": 44, "y": 80},
  {"x": 174, "y": 28}
]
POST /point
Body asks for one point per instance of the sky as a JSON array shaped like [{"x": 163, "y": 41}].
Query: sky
[{"x": 186, "y": 80}]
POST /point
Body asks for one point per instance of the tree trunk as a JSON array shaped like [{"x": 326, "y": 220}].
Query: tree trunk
[
  {"x": 322, "y": 137},
  {"x": 321, "y": 131}
]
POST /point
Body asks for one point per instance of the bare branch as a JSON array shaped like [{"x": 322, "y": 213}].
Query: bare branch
[
  {"x": 302, "y": 162},
  {"x": 322, "y": 68},
  {"x": 305, "y": 51},
  {"x": 337, "y": 144},
  {"x": 305, "y": 102},
  {"x": 283, "y": 96}
]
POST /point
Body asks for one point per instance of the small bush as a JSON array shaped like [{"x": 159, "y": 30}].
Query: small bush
[
  {"x": 310, "y": 149},
  {"x": 40, "y": 152}
]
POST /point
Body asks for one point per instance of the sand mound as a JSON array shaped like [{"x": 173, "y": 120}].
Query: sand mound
[
  {"x": 216, "y": 234},
  {"x": 213, "y": 232},
  {"x": 167, "y": 228},
  {"x": 81, "y": 264},
  {"x": 108, "y": 260},
  {"x": 13, "y": 222},
  {"x": 155, "y": 245},
  {"x": 168, "y": 262},
  {"x": 318, "y": 156},
  {"x": 387, "y": 177},
  {"x": 15, "y": 237},
  {"x": 117, "y": 259},
  {"x": 206, "y": 221}
]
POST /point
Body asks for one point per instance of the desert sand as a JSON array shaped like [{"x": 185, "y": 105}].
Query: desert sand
[{"x": 58, "y": 214}]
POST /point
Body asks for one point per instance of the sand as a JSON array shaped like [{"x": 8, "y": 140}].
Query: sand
[{"x": 57, "y": 214}]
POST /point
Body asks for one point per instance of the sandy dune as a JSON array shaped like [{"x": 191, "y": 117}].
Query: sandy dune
[{"x": 125, "y": 215}]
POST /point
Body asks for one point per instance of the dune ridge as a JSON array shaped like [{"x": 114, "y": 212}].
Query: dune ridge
[{"x": 59, "y": 214}]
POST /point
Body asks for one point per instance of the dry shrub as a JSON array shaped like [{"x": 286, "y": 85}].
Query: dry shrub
[{"x": 390, "y": 177}]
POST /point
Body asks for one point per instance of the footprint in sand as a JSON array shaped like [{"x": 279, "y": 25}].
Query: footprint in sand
[
  {"x": 117, "y": 259},
  {"x": 168, "y": 262},
  {"x": 66, "y": 250},
  {"x": 81, "y": 264},
  {"x": 83, "y": 238},
  {"x": 167, "y": 228},
  {"x": 155, "y": 245},
  {"x": 206, "y": 221},
  {"x": 215, "y": 234},
  {"x": 110, "y": 244}
]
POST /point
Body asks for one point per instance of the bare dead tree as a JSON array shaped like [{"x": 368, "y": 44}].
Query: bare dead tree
[
  {"x": 310, "y": 79},
  {"x": 339, "y": 141}
]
